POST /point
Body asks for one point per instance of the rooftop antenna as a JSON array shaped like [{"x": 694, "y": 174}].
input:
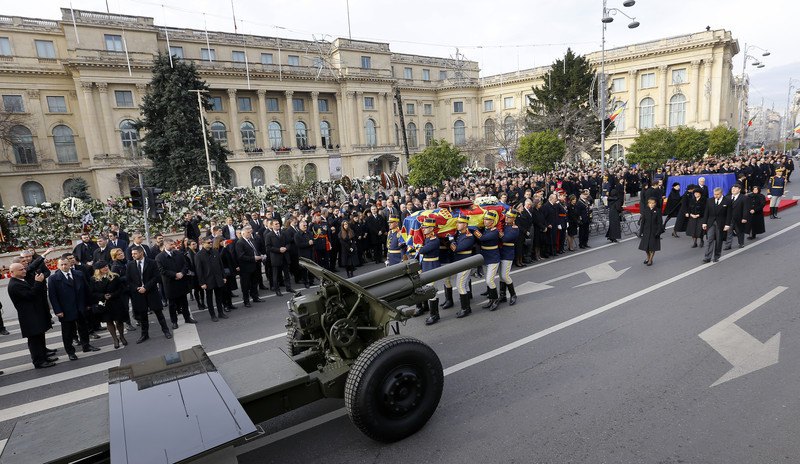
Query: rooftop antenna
[{"x": 457, "y": 64}]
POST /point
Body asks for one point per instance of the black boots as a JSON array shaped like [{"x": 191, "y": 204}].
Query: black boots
[
  {"x": 448, "y": 298},
  {"x": 502, "y": 292},
  {"x": 145, "y": 325},
  {"x": 422, "y": 308},
  {"x": 774, "y": 213},
  {"x": 465, "y": 309},
  {"x": 512, "y": 299},
  {"x": 433, "y": 305},
  {"x": 493, "y": 302}
]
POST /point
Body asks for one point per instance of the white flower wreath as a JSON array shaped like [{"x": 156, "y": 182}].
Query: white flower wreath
[{"x": 72, "y": 207}]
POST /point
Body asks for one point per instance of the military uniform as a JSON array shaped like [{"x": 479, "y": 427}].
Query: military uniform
[
  {"x": 776, "y": 185},
  {"x": 446, "y": 257},
  {"x": 489, "y": 241},
  {"x": 510, "y": 235},
  {"x": 321, "y": 244},
  {"x": 395, "y": 244},
  {"x": 462, "y": 246},
  {"x": 429, "y": 253}
]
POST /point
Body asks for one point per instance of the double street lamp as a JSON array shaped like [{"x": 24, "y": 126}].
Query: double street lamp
[
  {"x": 786, "y": 124},
  {"x": 740, "y": 88},
  {"x": 608, "y": 17}
]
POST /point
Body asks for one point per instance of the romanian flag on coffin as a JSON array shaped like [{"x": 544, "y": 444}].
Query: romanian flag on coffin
[{"x": 447, "y": 215}]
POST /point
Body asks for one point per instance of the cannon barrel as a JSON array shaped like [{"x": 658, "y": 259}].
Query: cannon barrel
[
  {"x": 372, "y": 278},
  {"x": 449, "y": 269}
]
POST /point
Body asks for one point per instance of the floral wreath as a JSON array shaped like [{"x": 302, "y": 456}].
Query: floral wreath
[{"x": 72, "y": 207}]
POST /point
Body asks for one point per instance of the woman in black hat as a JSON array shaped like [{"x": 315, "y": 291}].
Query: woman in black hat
[
  {"x": 695, "y": 211},
  {"x": 757, "y": 202},
  {"x": 107, "y": 288},
  {"x": 673, "y": 205},
  {"x": 650, "y": 224}
]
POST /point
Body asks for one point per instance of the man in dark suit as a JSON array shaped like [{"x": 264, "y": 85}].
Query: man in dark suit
[
  {"x": 143, "y": 277},
  {"x": 738, "y": 215},
  {"x": 115, "y": 242},
  {"x": 715, "y": 223},
  {"x": 289, "y": 232},
  {"x": 173, "y": 268},
  {"x": 121, "y": 234},
  {"x": 102, "y": 252},
  {"x": 69, "y": 297},
  {"x": 211, "y": 278},
  {"x": 33, "y": 315},
  {"x": 525, "y": 223},
  {"x": 138, "y": 240},
  {"x": 584, "y": 207},
  {"x": 191, "y": 227},
  {"x": 84, "y": 250},
  {"x": 229, "y": 229},
  {"x": 249, "y": 259},
  {"x": 278, "y": 247}
]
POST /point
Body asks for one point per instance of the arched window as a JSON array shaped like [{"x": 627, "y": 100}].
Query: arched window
[
  {"x": 33, "y": 193},
  {"x": 130, "y": 137},
  {"x": 677, "y": 110},
  {"x": 509, "y": 129},
  {"x": 617, "y": 152},
  {"x": 275, "y": 135},
  {"x": 619, "y": 121},
  {"x": 325, "y": 134},
  {"x": 488, "y": 130},
  {"x": 310, "y": 172},
  {"x": 257, "y": 177},
  {"x": 647, "y": 113},
  {"x": 459, "y": 133},
  {"x": 372, "y": 134},
  {"x": 412, "y": 135},
  {"x": 284, "y": 174},
  {"x": 22, "y": 142},
  {"x": 301, "y": 135},
  {"x": 428, "y": 134},
  {"x": 219, "y": 132},
  {"x": 65, "y": 144},
  {"x": 248, "y": 131}
]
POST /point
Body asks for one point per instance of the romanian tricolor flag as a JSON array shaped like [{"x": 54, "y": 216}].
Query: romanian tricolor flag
[
  {"x": 617, "y": 111},
  {"x": 750, "y": 122},
  {"x": 446, "y": 218}
]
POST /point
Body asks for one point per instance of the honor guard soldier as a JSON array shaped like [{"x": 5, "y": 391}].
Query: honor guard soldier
[
  {"x": 429, "y": 251},
  {"x": 446, "y": 257},
  {"x": 461, "y": 245},
  {"x": 319, "y": 231},
  {"x": 776, "y": 184},
  {"x": 489, "y": 241},
  {"x": 395, "y": 244},
  {"x": 509, "y": 236}
]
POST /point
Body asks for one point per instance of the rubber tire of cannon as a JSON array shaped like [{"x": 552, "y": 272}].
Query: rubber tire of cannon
[
  {"x": 293, "y": 334},
  {"x": 393, "y": 388}
]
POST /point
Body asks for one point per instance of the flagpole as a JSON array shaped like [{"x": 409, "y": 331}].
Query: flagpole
[
  {"x": 166, "y": 31},
  {"x": 208, "y": 45},
  {"x": 74, "y": 25}
]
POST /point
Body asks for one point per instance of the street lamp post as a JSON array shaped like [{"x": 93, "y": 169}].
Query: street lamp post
[
  {"x": 205, "y": 138},
  {"x": 606, "y": 19},
  {"x": 785, "y": 124},
  {"x": 740, "y": 89}
]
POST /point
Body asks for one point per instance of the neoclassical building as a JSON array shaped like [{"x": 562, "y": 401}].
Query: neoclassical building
[{"x": 288, "y": 107}]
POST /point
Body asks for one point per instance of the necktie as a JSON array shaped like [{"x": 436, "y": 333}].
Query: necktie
[
  {"x": 69, "y": 277},
  {"x": 141, "y": 268},
  {"x": 717, "y": 202}
]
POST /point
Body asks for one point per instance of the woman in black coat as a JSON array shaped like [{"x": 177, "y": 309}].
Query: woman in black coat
[
  {"x": 304, "y": 241},
  {"x": 572, "y": 221},
  {"x": 107, "y": 292},
  {"x": 190, "y": 251},
  {"x": 673, "y": 205},
  {"x": 650, "y": 224},
  {"x": 539, "y": 230},
  {"x": 694, "y": 217},
  {"x": 118, "y": 267},
  {"x": 757, "y": 202},
  {"x": 615, "y": 201},
  {"x": 681, "y": 222},
  {"x": 349, "y": 248},
  {"x": 229, "y": 266}
]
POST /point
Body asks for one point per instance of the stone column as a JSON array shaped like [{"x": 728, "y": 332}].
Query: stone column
[
  {"x": 631, "y": 116},
  {"x": 35, "y": 107},
  {"x": 341, "y": 128},
  {"x": 289, "y": 111},
  {"x": 261, "y": 131},
  {"x": 694, "y": 99},
  {"x": 233, "y": 111},
  {"x": 314, "y": 134},
  {"x": 88, "y": 114},
  {"x": 705, "y": 110},
  {"x": 389, "y": 137},
  {"x": 360, "y": 118},
  {"x": 662, "y": 116},
  {"x": 385, "y": 113},
  {"x": 349, "y": 112},
  {"x": 108, "y": 123}
]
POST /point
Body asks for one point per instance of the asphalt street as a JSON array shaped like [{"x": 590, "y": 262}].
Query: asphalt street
[{"x": 612, "y": 371}]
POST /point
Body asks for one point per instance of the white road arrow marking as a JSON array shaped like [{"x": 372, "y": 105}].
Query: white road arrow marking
[
  {"x": 531, "y": 287},
  {"x": 602, "y": 272},
  {"x": 738, "y": 347}
]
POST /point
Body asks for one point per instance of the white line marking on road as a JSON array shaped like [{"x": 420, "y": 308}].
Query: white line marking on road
[
  {"x": 61, "y": 357},
  {"x": 23, "y": 341},
  {"x": 185, "y": 337},
  {"x": 3, "y": 445},
  {"x": 61, "y": 376},
  {"x": 246, "y": 344},
  {"x": 52, "y": 402}
]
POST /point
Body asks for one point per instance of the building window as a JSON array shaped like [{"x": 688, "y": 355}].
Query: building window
[
  {"x": 272, "y": 105},
  {"x": 64, "y": 141},
  {"x": 13, "y": 104},
  {"x": 219, "y": 133},
  {"x": 442, "y": 75},
  {"x": 510, "y": 129},
  {"x": 124, "y": 98},
  {"x": 208, "y": 54},
  {"x": 618, "y": 84},
  {"x": 238, "y": 56},
  {"x": 372, "y": 134},
  {"x": 508, "y": 102},
  {"x": 488, "y": 105},
  {"x": 427, "y": 109},
  {"x": 679, "y": 76},
  {"x": 45, "y": 49},
  {"x": 458, "y": 107},
  {"x": 257, "y": 176},
  {"x": 266, "y": 58},
  {"x": 459, "y": 133},
  {"x": 245, "y": 104},
  {"x": 619, "y": 121},
  {"x": 284, "y": 174},
  {"x": 369, "y": 103},
  {"x": 410, "y": 109},
  {"x": 408, "y": 73},
  {"x": 301, "y": 135},
  {"x": 322, "y": 105},
  {"x": 310, "y": 172},
  {"x": 248, "y": 132},
  {"x": 275, "y": 135},
  {"x": 56, "y": 104},
  {"x": 216, "y": 103},
  {"x": 129, "y": 136},
  {"x": 33, "y": 193},
  {"x": 617, "y": 152},
  {"x": 412, "y": 135},
  {"x": 176, "y": 51},
  {"x": 294, "y": 60},
  {"x": 646, "y": 113},
  {"x": 489, "y": 130},
  {"x": 366, "y": 62},
  {"x": 325, "y": 133},
  {"x": 677, "y": 110},
  {"x": 648, "y": 80},
  {"x": 5, "y": 46},
  {"x": 298, "y": 104},
  {"x": 426, "y": 75},
  {"x": 428, "y": 134},
  {"x": 22, "y": 144},
  {"x": 114, "y": 43}
]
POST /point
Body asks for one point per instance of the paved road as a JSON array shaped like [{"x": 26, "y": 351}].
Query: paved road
[{"x": 613, "y": 371}]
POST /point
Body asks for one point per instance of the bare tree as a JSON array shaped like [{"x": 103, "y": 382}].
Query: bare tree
[
  {"x": 9, "y": 135},
  {"x": 501, "y": 133}
]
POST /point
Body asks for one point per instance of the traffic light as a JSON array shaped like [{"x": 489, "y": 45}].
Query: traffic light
[
  {"x": 156, "y": 204},
  {"x": 137, "y": 199}
]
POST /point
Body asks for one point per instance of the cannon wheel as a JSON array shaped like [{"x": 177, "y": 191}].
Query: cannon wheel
[
  {"x": 393, "y": 388},
  {"x": 291, "y": 335}
]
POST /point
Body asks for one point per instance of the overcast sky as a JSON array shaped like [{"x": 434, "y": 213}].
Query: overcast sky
[{"x": 502, "y": 35}]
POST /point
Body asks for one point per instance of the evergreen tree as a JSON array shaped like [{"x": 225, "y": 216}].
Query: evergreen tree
[
  {"x": 722, "y": 140},
  {"x": 432, "y": 166},
  {"x": 540, "y": 151},
  {"x": 171, "y": 120},
  {"x": 78, "y": 188}
]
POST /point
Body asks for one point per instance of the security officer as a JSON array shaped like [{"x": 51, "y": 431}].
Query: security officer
[
  {"x": 461, "y": 245},
  {"x": 776, "y": 184},
  {"x": 319, "y": 231},
  {"x": 429, "y": 251},
  {"x": 395, "y": 244},
  {"x": 489, "y": 240},
  {"x": 509, "y": 235}
]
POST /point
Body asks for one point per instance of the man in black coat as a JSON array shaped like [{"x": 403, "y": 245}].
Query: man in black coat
[
  {"x": 277, "y": 246},
  {"x": 249, "y": 259},
  {"x": 138, "y": 240},
  {"x": 551, "y": 219},
  {"x": 114, "y": 241},
  {"x": 102, "y": 252},
  {"x": 173, "y": 268},
  {"x": 525, "y": 222},
  {"x": 69, "y": 296},
  {"x": 191, "y": 226},
  {"x": 304, "y": 243},
  {"x": 715, "y": 223},
  {"x": 584, "y": 207},
  {"x": 84, "y": 250},
  {"x": 738, "y": 215},
  {"x": 34, "y": 317},
  {"x": 143, "y": 277},
  {"x": 289, "y": 232},
  {"x": 121, "y": 234},
  {"x": 211, "y": 278}
]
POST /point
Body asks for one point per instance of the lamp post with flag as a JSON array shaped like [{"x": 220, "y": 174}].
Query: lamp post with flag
[{"x": 786, "y": 123}]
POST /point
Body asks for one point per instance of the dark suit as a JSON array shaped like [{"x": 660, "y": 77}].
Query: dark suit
[
  {"x": 119, "y": 243},
  {"x": 103, "y": 254},
  {"x": 209, "y": 268},
  {"x": 279, "y": 261},
  {"x": 33, "y": 316},
  {"x": 83, "y": 251},
  {"x": 715, "y": 219},
  {"x": 249, "y": 268},
  {"x": 227, "y": 233},
  {"x": 150, "y": 300},
  {"x": 169, "y": 265},
  {"x": 584, "y": 210},
  {"x": 147, "y": 252},
  {"x": 304, "y": 250},
  {"x": 738, "y": 211},
  {"x": 70, "y": 297}
]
